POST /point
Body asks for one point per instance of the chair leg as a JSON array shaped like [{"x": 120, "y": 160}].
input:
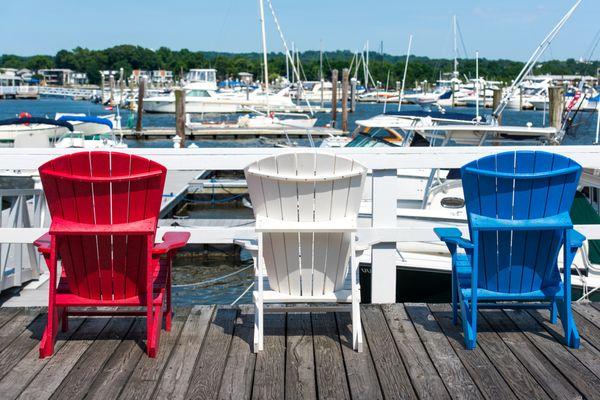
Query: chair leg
[
  {"x": 168, "y": 311},
  {"x": 553, "y": 313},
  {"x": 454, "y": 299},
  {"x": 64, "y": 319},
  {"x": 357, "y": 339},
  {"x": 469, "y": 326},
  {"x": 49, "y": 336},
  {"x": 258, "y": 326},
  {"x": 566, "y": 318}
]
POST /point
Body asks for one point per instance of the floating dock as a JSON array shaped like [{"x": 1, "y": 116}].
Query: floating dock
[
  {"x": 216, "y": 132},
  {"x": 411, "y": 351}
]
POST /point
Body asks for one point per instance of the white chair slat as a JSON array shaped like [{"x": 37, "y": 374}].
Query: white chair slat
[
  {"x": 288, "y": 190},
  {"x": 306, "y": 261},
  {"x": 278, "y": 245},
  {"x": 270, "y": 262},
  {"x": 323, "y": 190},
  {"x": 270, "y": 188},
  {"x": 306, "y": 190},
  {"x": 334, "y": 245},
  {"x": 319, "y": 262},
  {"x": 342, "y": 261},
  {"x": 339, "y": 200}
]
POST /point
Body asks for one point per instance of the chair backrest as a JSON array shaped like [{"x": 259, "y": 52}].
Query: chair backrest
[
  {"x": 306, "y": 189},
  {"x": 525, "y": 186},
  {"x": 103, "y": 188}
]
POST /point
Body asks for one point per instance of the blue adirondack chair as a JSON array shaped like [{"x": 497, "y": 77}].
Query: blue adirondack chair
[{"x": 518, "y": 206}]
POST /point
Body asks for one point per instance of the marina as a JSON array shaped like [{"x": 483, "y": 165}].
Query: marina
[{"x": 263, "y": 218}]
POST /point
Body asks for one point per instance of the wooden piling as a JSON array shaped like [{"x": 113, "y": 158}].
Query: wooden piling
[
  {"x": 140, "y": 110},
  {"x": 101, "y": 87},
  {"x": 496, "y": 102},
  {"x": 334, "y": 93},
  {"x": 345, "y": 77},
  {"x": 180, "y": 116},
  {"x": 111, "y": 88},
  {"x": 556, "y": 97},
  {"x": 352, "y": 95},
  {"x": 122, "y": 86}
]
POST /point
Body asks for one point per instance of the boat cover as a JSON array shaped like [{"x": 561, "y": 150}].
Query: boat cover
[
  {"x": 36, "y": 120},
  {"x": 84, "y": 118},
  {"x": 435, "y": 114}
]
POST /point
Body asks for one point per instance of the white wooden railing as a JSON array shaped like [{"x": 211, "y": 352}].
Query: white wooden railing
[{"x": 384, "y": 162}]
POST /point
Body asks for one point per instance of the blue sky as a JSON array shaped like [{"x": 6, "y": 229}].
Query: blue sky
[{"x": 497, "y": 28}]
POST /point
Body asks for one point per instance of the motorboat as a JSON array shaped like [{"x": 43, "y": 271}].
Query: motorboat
[
  {"x": 88, "y": 125},
  {"x": 83, "y": 141},
  {"x": 32, "y": 126}
]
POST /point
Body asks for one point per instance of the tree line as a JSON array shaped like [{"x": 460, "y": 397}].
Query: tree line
[{"x": 228, "y": 65}]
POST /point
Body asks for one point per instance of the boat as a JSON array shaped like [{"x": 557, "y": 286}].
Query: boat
[
  {"x": 89, "y": 125},
  {"x": 32, "y": 126},
  {"x": 203, "y": 97},
  {"x": 81, "y": 140}
]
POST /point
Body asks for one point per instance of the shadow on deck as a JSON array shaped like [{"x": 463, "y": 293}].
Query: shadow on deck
[{"x": 411, "y": 351}]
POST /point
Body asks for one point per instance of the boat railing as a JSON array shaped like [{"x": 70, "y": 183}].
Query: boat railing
[{"x": 383, "y": 232}]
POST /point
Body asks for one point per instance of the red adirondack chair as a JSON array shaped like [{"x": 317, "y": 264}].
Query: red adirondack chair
[{"x": 104, "y": 209}]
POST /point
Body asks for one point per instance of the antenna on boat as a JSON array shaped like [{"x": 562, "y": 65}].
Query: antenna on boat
[
  {"x": 264, "y": 46},
  {"x": 410, "y": 37},
  {"x": 477, "y": 118},
  {"x": 455, "y": 72},
  {"x": 539, "y": 51}
]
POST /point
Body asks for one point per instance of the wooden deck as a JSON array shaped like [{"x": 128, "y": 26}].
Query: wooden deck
[{"x": 412, "y": 351}]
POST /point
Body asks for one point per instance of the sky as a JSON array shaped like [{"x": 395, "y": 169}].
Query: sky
[{"x": 509, "y": 29}]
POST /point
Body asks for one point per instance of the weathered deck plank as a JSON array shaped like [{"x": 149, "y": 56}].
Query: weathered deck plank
[
  {"x": 424, "y": 377},
  {"x": 236, "y": 383},
  {"x": 456, "y": 378},
  {"x": 78, "y": 381},
  {"x": 176, "y": 376},
  {"x": 300, "y": 358},
  {"x": 269, "y": 372},
  {"x": 410, "y": 351},
  {"x": 551, "y": 379},
  {"x": 329, "y": 363},
  {"x": 362, "y": 377},
  {"x": 487, "y": 378},
  {"x": 579, "y": 376},
  {"x": 391, "y": 370},
  {"x": 208, "y": 371}
]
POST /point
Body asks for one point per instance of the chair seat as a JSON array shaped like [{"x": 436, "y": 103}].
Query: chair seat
[
  {"x": 548, "y": 293},
  {"x": 64, "y": 297},
  {"x": 340, "y": 296}
]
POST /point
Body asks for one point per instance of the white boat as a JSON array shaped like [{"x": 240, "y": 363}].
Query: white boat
[
  {"x": 80, "y": 140},
  {"x": 202, "y": 97},
  {"x": 102, "y": 124},
  {"x": 32, "y": 126},
  {"x": 257, "y": 121}
]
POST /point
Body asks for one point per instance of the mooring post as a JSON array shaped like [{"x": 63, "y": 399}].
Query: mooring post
[
  {"x": 111, "y": 88},
  {"x": 180, "y": 116},
  {"x": 101, "y": 87},
  {"x": 345, "y": 76},
  {"x": 352, "y": 95},
  {"x": 496, "y": 102},
  {"x": 140, "y": 109},
  {"x": 334, "y": 93},
  {"x": 556, "y": 98},
  {"x": 122, "y": 86}
]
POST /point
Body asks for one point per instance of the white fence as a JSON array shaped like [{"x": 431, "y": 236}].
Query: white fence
[{"x": 384, "y": 162}]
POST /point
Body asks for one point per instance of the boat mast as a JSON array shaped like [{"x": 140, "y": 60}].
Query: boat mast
[
  {"x": 405, "y": 71},
  {"x": 321, "y": 71},
  {"x": 539, "y": 51},
  {"x": 477, "y": 87},
  {"x": 264, "y": 46},
  {"x": 455, "y": 71}
]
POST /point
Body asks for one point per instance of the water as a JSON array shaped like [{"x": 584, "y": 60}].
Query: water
[{"x": 192, "y": 269}]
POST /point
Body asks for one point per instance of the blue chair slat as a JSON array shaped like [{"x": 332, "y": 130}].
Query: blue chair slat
[
  {"x": 505, "y": 162},
  {"x": 518, "y": 213}
]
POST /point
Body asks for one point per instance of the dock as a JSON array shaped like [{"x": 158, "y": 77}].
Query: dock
[
  {"x": 216, "y": 132},
  {"x": 411, "y": 351}
]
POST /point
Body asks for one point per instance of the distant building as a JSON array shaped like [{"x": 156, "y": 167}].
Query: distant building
[
  {"x": 136, "y": 74},
  {"x": 80, "y": 78},
  {"x": 162, "y": 76},
  {"x": 56, "y": 76}
]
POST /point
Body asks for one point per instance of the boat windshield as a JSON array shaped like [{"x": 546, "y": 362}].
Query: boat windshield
[
  {"x": 375, "y": 137},
  {"x": 198, "y": 93}
]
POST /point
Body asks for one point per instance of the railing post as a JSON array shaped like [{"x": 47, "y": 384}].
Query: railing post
[{"x": 383, "y": 255}]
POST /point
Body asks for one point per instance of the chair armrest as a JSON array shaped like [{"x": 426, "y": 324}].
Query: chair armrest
[
  {"x": 43, "y": 243},
  {"x": 576, "y": 239},
  {"x": 171, "y": 241},
  {"x": 453, "y": 236}
]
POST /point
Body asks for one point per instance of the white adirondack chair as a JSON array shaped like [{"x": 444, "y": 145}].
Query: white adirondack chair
[{"x": 306, "y": 206}]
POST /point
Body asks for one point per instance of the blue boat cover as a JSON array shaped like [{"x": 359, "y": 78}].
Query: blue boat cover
[
  {"x": 36, "y": 120},
  {"x": 80, "y": 118},
  {"x": 435, "y": 114}
]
